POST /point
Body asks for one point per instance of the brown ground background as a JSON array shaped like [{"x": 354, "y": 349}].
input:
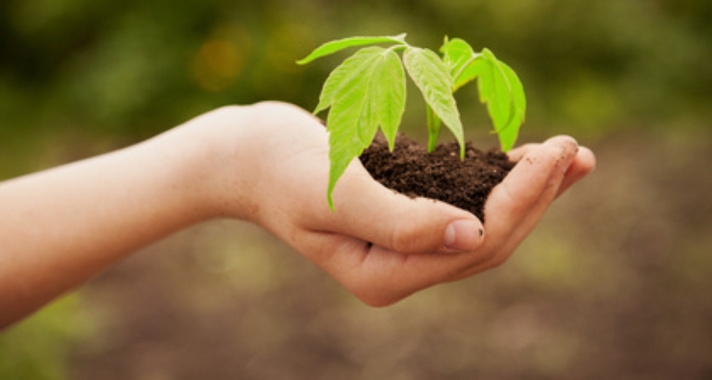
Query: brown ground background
[{"x": 615, "y": 283}]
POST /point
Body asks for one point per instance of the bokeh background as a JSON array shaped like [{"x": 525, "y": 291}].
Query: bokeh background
[{"x": 615, "y": 283}]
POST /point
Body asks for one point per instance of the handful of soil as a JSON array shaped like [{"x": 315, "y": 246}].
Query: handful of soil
[{"x": 440, "y": 175}]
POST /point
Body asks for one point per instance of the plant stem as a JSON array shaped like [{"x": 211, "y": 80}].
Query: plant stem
[{"x": 434, "y": 124}]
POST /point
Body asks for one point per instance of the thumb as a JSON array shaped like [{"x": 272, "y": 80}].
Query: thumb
[{"x": 367, "y": 210}]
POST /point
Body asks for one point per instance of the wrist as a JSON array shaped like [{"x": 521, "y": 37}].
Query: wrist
[
  {"x": 215, "y": 162},
  {"x": 240, "y": 152}
]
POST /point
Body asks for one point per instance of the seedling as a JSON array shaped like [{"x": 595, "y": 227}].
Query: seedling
[{"x": 368, "y": 90}]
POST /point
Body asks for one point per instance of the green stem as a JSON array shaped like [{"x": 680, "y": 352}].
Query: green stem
[{"x": 434, "y": 124}]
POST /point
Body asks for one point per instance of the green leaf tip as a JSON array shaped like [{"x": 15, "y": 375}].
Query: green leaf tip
[{"x": 345, "y": 43}]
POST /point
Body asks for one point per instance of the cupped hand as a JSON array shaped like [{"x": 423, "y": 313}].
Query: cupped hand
[{"x": 380, "y": 245}]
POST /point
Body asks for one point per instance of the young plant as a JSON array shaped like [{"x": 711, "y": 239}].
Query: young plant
[{"x": 368, "y": 90}]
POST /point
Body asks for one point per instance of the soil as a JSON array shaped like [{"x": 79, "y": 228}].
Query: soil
[{"x": 440, "y": 175}]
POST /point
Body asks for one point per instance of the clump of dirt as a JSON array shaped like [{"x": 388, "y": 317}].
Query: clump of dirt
[{"x": 440, "y": 175}]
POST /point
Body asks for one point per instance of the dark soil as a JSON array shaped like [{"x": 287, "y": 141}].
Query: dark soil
[{"x": 440, "y": 175}]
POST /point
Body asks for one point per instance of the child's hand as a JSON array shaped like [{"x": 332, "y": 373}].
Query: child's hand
[{"x": 380, "y": 245}]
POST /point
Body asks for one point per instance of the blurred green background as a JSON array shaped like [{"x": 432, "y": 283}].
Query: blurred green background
[{"x": 615, "y": 282}]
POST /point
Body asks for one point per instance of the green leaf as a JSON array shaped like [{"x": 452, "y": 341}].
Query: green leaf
[
  {"x": 508, "y": 135},
  {"x": 340, "y": 75},
  {"x": 366, "y": 91},
  {"x": 503, "y": 93},
  {"x": 458, "y": 55},
  {"x": 499, "y": 86},
  {"x": 432, "y": 77},
  {"x": 338, "y": 45},
  {"x": 388, "y": 96}
]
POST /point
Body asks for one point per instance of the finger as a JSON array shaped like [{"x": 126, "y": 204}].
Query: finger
[
  {"x": 516, "y": 154},
  {"x": 369, "y": 211},
  {"x": 584, "y": 163},
  {"x": 376, "y": 275},
  {"x": 518, "y": 203},
  {"x": 532, "y": 175}
]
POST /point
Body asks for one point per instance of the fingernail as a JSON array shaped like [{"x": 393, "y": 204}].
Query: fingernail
[{"x": 463, "y": 235}]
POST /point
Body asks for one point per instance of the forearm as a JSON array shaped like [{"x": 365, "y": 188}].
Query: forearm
[{"x": 65, "y": 225}]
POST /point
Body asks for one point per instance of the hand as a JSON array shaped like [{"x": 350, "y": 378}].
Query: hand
[
  {"x": 267, "y": 163},
  {"x": 380, "y": 245}
]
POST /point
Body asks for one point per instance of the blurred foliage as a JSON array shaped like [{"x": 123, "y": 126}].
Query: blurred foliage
[
  {"x": 129, "y": 69},
  {"x": 38, "y": 348},
  {"x": 78, "y": 77}
]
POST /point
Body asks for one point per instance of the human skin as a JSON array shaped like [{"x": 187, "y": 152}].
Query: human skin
[{"x": 268, "y": 164}]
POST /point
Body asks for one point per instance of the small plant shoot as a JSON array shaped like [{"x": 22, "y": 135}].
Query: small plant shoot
[{"x": 368, "y": 89}]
